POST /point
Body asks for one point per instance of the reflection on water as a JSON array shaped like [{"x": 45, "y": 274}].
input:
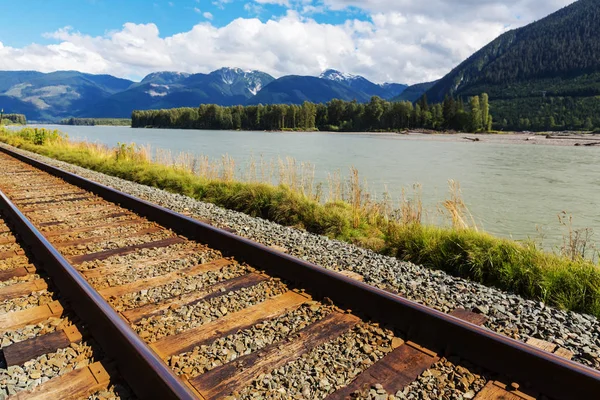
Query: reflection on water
[{"x": 510, "y": 189}]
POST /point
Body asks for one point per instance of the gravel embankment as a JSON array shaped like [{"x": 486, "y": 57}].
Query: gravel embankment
[{"x": 508, "y": 314}]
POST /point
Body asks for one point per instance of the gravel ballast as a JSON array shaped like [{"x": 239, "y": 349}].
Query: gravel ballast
[{"x": 507, "y": 313}]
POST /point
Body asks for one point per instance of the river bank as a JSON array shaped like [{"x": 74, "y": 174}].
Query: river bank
[
  {"x": 507, "y": 313},
  {"x": 517, "y": 138},
  {"x": 570, "y": 283},
  {"x": 492, "y": 175}
]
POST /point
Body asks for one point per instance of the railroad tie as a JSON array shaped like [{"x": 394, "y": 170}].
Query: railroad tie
[
  {"x": 234, "y": 376},
  {"x": 402, "y": 366},
  {"x": 136, "y": 286},
  {"x": 76, "y": 384},
  {"x": 16, "y": 273},
  {"x": 22, "y": 289},
  {"x": 208, "y": 333},
  {"x": 18, "y": 319},
  {"x": 18, "y": 353},
  {"x": 135, "y": 315}
]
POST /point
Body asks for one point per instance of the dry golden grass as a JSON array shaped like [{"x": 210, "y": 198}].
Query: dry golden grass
[{"x": 285, "y": 192}]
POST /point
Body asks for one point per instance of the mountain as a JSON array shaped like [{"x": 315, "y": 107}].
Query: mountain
[
  {"x": 226, "y": 86},
  {"x": 360, "y": 84},
  {"x": 9, "y": 79},
  {"x": 64, "y": 94},
  {"x": 164, "y": 78},
  {"x": 57, "y": 94},
  {"x": 414, "y": 92},
  {"x": 12, "y": 105},
  {"x": 394, "y": 89},
  {"x": 295, "y": 89},
  {"x": 550, "y": 69}
]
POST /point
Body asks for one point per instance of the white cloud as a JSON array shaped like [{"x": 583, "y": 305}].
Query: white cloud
[
  {"x": 221, "y": 3},
  {"x": 207, "y": 15},
  {"x": 253, "y": 9},
  {"x": 278, "y": 2},
  {"x": 404, "y": 41}
]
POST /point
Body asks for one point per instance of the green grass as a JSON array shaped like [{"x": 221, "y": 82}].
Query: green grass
[{"x": 572, "y": 284}]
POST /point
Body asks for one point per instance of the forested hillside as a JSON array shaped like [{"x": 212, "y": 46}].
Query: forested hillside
[
  {"x": 542, "y": 76},
  {"x": 48, "y": 96}
]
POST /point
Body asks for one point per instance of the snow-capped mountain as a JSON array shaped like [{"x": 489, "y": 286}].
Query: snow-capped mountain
[
  {"x": 337, "y": 76},
  {"x": 164, "y": 77},
  {"x": 72, "y": 94},
  {"x": 361, "y": 84},
  {"x": 225, "y": 86},
  {"x": 252, "y": 80}
]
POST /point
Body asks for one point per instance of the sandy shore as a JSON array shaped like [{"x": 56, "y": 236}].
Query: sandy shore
[{"x": 556, "y": 139}]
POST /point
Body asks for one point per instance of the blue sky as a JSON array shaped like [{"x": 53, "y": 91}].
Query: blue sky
[
  {"x": 407, "y": 41},
  {"x": 96, "y": 17}
]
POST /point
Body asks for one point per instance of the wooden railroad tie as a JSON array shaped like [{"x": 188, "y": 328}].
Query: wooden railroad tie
[
  {"x": 121, "y": 251},
  {"x": 16, "y": 273},
  {"x": 18, "y": 353},
  {"x": 230, "y": 323},
  {"x": 136, "y": 286},
  {"x": 101, "y": 217},
  {"x": 18, "y": 319},
  {"x": 22, "y": 289},
  {"x": 550, "y": 348},
  {"x": 134, "y": 315},
  {"x": 402, "y": 366},
  {"x": 76, "y": 384},
  {"x": 234, "y": 376},
  {"x": 494, "y": 390}
]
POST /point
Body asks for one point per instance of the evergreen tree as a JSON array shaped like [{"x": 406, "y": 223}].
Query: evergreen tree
[
  {"x": 486, "y": 119},
  {"x": 476, "y": 120}
]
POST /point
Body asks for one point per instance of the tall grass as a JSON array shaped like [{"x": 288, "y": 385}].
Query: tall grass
[{"x": 285, "y": 192}]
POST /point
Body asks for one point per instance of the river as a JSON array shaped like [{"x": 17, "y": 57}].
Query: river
[{"x": 511, "y": 190}]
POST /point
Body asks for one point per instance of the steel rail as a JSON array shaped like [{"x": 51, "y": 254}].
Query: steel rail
[
  {"x": 536, "y": 369},
  {"x": 143, "y": 370}
]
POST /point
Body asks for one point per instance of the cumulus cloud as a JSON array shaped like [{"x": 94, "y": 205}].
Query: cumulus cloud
[{"x": 402, "y": 41}]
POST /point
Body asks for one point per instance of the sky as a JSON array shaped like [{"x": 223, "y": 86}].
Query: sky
[{"x": 404, "y": 41}]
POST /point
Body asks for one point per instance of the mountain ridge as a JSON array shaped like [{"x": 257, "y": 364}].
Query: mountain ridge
[
  {"x": 543, "y": 76},
  {"x": 385, "y": 90},
  {"x": 564, "y": 44},
  {"x": 64, "y": 94}
]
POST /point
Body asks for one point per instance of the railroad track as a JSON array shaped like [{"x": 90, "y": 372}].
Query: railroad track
[
  {"x": 45, "y": 346},
  {"x": 186, "y": 310}
]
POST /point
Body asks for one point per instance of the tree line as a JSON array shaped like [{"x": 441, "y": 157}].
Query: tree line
[
  {"x": 336, "y": 115},
  {"x": 96, "y": 121},
  {"x": 13, "y": 119}
]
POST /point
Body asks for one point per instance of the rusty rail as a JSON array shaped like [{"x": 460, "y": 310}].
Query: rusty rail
[
  {"x": 143, "y": 370},
  {"x": 543, "y": 372}
]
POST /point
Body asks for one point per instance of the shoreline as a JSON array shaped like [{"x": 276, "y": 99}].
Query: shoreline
[
  {"x": 507, "y": 312},
  {"x": 519, "y": 138},
  {"x": 494, "y": 138}
]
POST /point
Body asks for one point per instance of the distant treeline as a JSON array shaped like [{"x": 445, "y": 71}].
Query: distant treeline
[
  {"x": 336, "y": 115},
  {"x": 13, "y": 119},
  {"x": 96, "y": 121}
]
